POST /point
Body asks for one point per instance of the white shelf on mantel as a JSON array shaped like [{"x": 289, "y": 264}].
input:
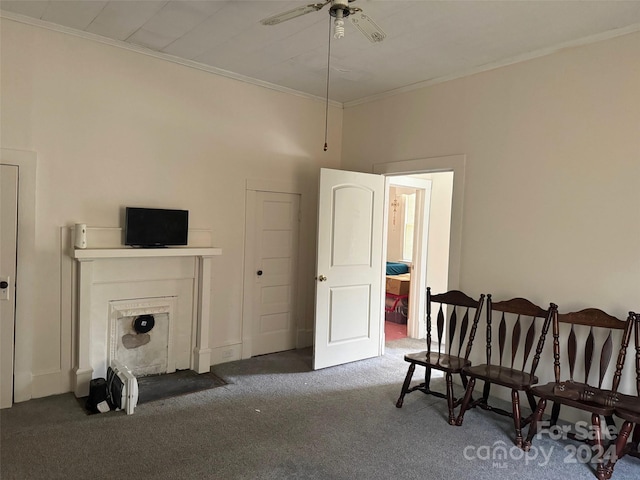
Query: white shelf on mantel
[{"x": 95, "y": 253}]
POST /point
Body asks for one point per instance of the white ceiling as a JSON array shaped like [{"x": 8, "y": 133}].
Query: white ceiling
[{"x": 427, "y": 41}]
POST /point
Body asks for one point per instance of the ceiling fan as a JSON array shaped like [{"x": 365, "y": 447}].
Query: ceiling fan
[{"x": 340, "y": 10}]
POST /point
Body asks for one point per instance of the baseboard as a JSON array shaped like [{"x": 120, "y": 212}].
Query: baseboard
[
  {"x": 22, "y": 386},
  {"x": 50, "y": 383},
  {"x": 226, "y": 353},
  {"x": 305, "y": 338}
]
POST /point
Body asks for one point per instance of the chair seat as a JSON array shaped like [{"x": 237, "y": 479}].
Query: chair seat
[
  {"x": 507, "y": 377},
  {"x": 439, "y": 361},
  {"x": 629, "y": 416},
  {"x": 546, "y": 391},
  {"x": 633, "y": 417}
]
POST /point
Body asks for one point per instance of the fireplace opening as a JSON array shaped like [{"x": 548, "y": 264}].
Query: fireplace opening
[
  {"x": 144, "y": 352},
  {"x": 141, "y": 335}
]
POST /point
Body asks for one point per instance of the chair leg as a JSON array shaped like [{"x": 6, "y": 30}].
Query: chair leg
[
  {"x": 532, "y": 401},
  {"x": 405, "y": 385},
  {"x": 452, "y": 418},
  {"x": 485, "y": 392},
  {"x": 465, "y": 401},
  {"x": 535, "y": 420},
  {"x": 597, "y": 440},
  {"x": 635, "y": 441},
  {"x": 555, "y": 413},
  {"x": 427, "y": 379},
  {"x": 515, "y": 404},
  {"x": 621, "y": 444},
  {"x": 463, "y": 378}
]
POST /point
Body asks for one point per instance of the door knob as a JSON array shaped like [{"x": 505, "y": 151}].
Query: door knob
[
  {"x": 259, "y": 273},
  {"x": 3, "y": 285},
  {"x": 322, "y": 278}
]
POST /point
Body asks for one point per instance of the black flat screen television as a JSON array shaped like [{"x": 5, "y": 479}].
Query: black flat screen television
[{"x": 155, "y": 227}]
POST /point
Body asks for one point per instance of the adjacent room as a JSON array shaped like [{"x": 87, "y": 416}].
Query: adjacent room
[{"x": 323, "y": 165}]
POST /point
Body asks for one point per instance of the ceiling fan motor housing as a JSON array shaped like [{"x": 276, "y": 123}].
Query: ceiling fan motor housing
[{"x": 340, "y": 5}]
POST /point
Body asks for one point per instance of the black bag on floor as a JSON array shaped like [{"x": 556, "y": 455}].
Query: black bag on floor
[{"x": 97, "y": 394}]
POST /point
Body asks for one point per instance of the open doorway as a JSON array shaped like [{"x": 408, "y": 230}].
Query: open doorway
[
  {"x": 418, "y": 235},
  {"x": 399, "y": 259}
]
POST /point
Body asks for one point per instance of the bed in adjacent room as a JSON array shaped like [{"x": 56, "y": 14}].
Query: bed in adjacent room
[{"x": 397, "y": 292}]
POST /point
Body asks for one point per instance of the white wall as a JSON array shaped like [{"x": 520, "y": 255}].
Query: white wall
[
  {"x": 551, "y": 185},
  {"x": 112, "y": 127}
]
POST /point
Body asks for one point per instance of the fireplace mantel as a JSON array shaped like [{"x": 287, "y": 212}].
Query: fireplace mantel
[
  {"x": 90, "y": 259},
  {"x": 99, "y": 253}
]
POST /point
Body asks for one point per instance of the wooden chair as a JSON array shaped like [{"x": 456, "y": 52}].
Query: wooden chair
[
  {"x": 589, "y": 325},
  {"x": 503, "y": 371},
  {"x": 449, "y": 363},
  {"x": 631, "y": 418}
]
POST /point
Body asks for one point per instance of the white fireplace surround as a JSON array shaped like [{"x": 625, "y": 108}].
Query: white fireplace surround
[{"x": 108, "y": 275}]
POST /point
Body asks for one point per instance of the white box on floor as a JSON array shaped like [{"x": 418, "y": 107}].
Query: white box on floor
[{"x": 122, "y": 387}]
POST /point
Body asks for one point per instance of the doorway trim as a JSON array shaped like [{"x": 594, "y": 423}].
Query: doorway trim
[
  {"x": 253, "y": 186},
  {"x": 450, "y": 163},
  {"x": 26, "y": 162}
]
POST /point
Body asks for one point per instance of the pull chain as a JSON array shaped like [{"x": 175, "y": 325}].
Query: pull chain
[{"x": 326, "y": 108}]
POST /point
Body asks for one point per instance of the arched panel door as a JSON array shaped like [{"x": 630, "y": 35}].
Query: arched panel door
[{"x": 349, "y": 268}]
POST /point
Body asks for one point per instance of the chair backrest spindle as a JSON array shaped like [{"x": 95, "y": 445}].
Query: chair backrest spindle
[
  {"x": 453, "y": 323},
  {"x": 588, "y": 355},
  {"x": 440, "y": 326},
  {"x": 572, "y": 351},
  {"x": 605, "y": 357},
  {"x": 428, "y": 320},
  {"x": 528, "y": 343},
  {"x": 502, "y": 336},
  {"x": 463, "y": 330},
  {"x": 488, "y": 334},
  {"x": 623, "y": 351},
  {"x": 515, "y": 340}
]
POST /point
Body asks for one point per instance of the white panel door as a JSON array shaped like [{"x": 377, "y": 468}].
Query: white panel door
[
  {"x": 276, "y": 267},
  {"x": 8, "y": 230},
  {"x": 349, "y": 268}
]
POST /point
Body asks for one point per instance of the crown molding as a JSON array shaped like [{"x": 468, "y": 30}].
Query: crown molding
[
  {"x": 619, "y": 32},
  {"x": 162, "y": 56}
]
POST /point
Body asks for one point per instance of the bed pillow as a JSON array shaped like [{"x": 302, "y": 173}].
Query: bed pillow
[{"x": 397, "y": 268}]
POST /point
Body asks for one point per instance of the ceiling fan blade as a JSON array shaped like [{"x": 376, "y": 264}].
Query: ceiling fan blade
[
  {"x": 368, "y": 27},
  {"x": 289, "y": 14}
]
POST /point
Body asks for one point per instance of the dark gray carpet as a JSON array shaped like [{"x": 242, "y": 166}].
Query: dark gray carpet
[{"x": 277, "y": 419}]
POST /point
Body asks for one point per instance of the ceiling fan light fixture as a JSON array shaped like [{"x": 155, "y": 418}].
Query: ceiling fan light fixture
[
  {"x": 339, "y": 10},
  {"x": 338, "y": 25}
]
